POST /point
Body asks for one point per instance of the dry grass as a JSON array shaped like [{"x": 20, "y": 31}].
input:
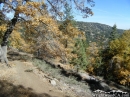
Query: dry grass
[{"x": 57, "y": 73}]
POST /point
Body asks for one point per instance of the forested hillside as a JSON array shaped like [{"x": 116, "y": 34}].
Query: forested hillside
[{"x": 96, "y": 31}]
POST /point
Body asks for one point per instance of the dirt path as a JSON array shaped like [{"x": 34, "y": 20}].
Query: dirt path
[{"x": 28, "y": 76}]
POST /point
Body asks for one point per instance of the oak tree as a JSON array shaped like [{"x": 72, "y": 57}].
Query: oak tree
[{"x": 34, "y": 14}]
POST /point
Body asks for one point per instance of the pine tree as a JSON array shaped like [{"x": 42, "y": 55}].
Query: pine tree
[
  {"x": 68, "y": 14},
  {"x": 113, "y": 34},
  {"x": 80, "y": 50}
]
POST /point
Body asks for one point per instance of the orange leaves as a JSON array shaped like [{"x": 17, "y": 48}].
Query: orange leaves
[
  {"x": 124, "y": 77},
  {"x": 26, "y": 11},
  {"x": 3, "y": 27},
  {"x": 29, "y": 9},
  {"x": 46, "y": 20},
  {"x": 35, "y": 24},
  {"x": 118, "y": 45},
  {"x": 2, "y": 30},
  {"x": 17, "y": 41},
  {"x": 90, "y": 69},
  {"x": 68, "y": 37},
  {"x": 93, "y": 50},
  {"x": 120, "y": 49},
  {"x": 21, "y": 8},
  {"x": 33, "y": 4},
  {"x": 46, "y": 36},
  {"x": 124, "y": 73}
]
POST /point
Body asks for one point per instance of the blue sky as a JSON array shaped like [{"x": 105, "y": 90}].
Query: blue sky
[{"x": 109, "y": 12}]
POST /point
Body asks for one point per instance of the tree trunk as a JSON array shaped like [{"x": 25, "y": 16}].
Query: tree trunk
[
  {"x": 9, "y": 30},
  {"x": 3, "y": 55}
]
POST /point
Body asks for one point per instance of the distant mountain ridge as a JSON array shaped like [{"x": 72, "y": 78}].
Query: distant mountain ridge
[
  {"x": 96, "y": 31},
  {"x": 95, "y": 26}
]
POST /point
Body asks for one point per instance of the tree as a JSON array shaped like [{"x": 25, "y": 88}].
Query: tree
[
  {"x": 80, "y": 50},
  {"x": 69, "y": 36},
  {"x": 113, "y": 34},
  {"x": 20, "y": 7},
  {"x": 31, "y": 11},
  {"x": 117, "y": 59},
  {"x": 68, "y": 13},
  {"x": 94, "y": 59},
  {"x": 106, "y": 55}
]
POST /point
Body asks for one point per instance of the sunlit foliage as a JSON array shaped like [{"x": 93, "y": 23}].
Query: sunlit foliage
[
  {"x": 94, "y": 58},
  {"x": 120, "y": 49},
  {"x": 40, "y": 30},
  {"x": 80, "y": 61},
  {"x": 69, "y": 38}
]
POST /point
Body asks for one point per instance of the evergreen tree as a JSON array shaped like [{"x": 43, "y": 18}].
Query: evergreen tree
[
  {"x": 80, "y": 50},
  {"x": 113, "y": 34},
  {"x": 68, "y": 14}
]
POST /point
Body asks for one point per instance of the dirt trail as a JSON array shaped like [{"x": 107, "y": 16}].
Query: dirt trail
[{"x": 25, "y": 74}]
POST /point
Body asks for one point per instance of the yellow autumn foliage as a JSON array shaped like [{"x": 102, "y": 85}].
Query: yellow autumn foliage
[
  {"x": 17, "y": 41},
  {"x": 40, "y": 31},
  {"x": 3, "y": 28},
  {"x": 93, "y": 52},
  {"x": 67, "y": 37},
  {"x": 120, "y": 49}
]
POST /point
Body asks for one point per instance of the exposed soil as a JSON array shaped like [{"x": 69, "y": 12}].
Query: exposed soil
[{"x": 31, "y": 81}]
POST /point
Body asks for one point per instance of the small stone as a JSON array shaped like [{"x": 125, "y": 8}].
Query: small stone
[{"x": 53, "y": 82}]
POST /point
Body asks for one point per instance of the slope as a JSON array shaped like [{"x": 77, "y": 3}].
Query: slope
[
  {"x": 25, "y": 80},
  {"x": 96, "y": 31}
]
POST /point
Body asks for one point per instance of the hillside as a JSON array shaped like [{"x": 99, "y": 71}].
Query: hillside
[
  {"x": 96, "y": 31},
  {"x": 49, "y": 58},
  {"x": 25, "y": 80},
  {"x": 32, "y": 77}
]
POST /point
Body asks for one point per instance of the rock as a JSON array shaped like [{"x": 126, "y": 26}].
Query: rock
[
  {"x": 53, "y": 82},
  {"x": 105, "y": 86},
  {"x": 84, "y": 76},
  {"x": 56, "y": 79}
]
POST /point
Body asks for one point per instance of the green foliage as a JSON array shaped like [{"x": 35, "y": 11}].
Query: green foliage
[
  {"x": 96, "y": 32},
  {"x": 41, "y": 32},
  {"x": 80, "y": 51},
  {"x": 68, "y": 14},
  {"x": 95, "y": 65},
  {"x": 113, "y": 34},
  {"x": 118, "y": 59}
]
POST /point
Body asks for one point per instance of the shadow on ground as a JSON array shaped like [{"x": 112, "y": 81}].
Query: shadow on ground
[
  {"x": 94, "y": 84},
  {"x": 9, "y": 90}
]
